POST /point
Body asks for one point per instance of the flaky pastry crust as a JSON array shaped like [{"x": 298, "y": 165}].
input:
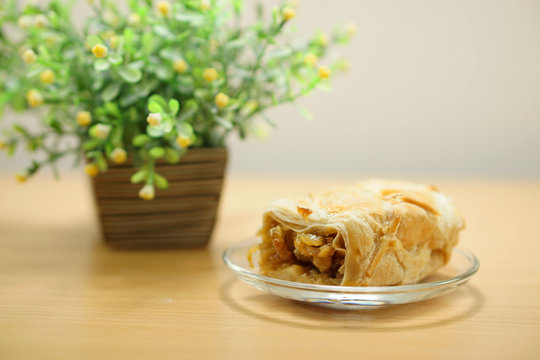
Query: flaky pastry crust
[{"x": 375, "y": 233}]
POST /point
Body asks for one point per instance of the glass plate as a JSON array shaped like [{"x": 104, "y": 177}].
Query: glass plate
[{"x": 462, "y": 266}]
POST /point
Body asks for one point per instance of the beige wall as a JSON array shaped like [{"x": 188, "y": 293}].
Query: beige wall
[{"x": 436, "y": 88}]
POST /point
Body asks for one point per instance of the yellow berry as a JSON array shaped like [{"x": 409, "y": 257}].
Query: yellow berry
[
  {"x": 84, "y": 118},
  {"x": 25, "y": 22},
  {"x": 134, "y": 19},
  {"x": 29, "y": 56},
  {"x": 288, "y": 13},
  {"x": 351, "y": 29},
  {"x": 108, "y": 34},
  {"x": 164, "y": 8},
  {"x": 147, "y": 192},
  {"x": 47, "y": 76},
  {"x": 311, "y": 59},
  {"x": 113, "y": 41},
  {"x": 34, "y": 98},
  {"x": 213, "y": 44},
  {"x": 21, "y": 177},
  {"x": 119, "y": 156},
  {"x": 324, "y": 72},
  {"x": 91, "y": 169},
  {"x": 154, "y": 119},
  {"x": 99, "y": 51},
  {"x": 210, "y": 74},
  {"x": 101, "y": 131},
  {"x": 41, "y": 21},
  {"x": 221, "y": 100},
  {"x": 323, "y": 40},
  {"x": 250, "y": 106},
  {"x": 180, "y": 66},
  {"x": 51, "y": 40},
  {"x": 260, "y": 131},
  {"x": 183, "y": 141},
  {"x": 3, "y": 145},
  {"x": 205, "y": 5},
  {"x": 110, "y": 18}
]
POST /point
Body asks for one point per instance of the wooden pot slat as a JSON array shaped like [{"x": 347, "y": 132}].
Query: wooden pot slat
[
  {"x": 179, "y": 189},
  {"x": 170, "y": 175},
  {"x": 130, "y": 207},
  {"x": 184, "y": 214},
  {"x": 171, "y": 172},
  {"x": 204, "y": 155},
  {"x": 142, "y": 222},
  {"x": 177, "y": 185}
]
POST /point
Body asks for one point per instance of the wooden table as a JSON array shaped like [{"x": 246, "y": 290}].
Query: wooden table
[{"x": 63, "y": 294}]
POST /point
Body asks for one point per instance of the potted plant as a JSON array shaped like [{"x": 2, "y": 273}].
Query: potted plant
[{"x": 147, "y": 100}]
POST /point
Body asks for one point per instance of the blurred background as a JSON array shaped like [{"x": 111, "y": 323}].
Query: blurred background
[{"x": 435, "y": 88}]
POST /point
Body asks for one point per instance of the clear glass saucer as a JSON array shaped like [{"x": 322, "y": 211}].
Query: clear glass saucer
[{"x": 462, "y": 266}]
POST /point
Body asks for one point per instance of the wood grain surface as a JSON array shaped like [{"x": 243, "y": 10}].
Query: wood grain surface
[{"x": 65, "y": 295}]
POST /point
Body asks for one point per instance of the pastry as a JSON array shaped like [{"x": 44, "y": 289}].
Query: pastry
[{"x": 376, "y": 233}]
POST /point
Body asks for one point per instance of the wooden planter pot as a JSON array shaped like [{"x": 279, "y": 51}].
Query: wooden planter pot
[{"x": 182, "y": 215}]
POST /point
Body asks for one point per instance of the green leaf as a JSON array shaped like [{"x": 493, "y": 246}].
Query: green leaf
[
  {"x": 157, "y": 152},
  {"x": 141, "y": 139},
  {"x": 183, "y": 35},
  {"x": 305, "y": 112},
  {"x": 101, "y": 162},
  {"x": 111, "y": 91},
  {"x": 21, "y": 130},
  {"x": 101, "y": 65},
  {"x": 91, "y": 144},
  {"x": 224, "y": 122},
  {"x": 158, "y": 99},
  {"x": 172, "y": 156},
  {"x": 193, "y": 19},
  {"x": 116, "y": 137},
  {"x": 133, "y": 5},
  {"x": 139, "y": 65},
  {"x": 160, "y": 181},
  {"x": 115, "y": 59},
  {"x": 271, "y": 122},
  {"x": 164, "y": 73},
  {"x": 113, "y": 109},
  {"x": 154, "y": 107},
  {"x": 129, "y": 36},
  {"x": 235, "y": 44},
  {"x": 174, "y": 106},
  {"x": 163, "y": 32},
  {"x": 139, "y": 176},
  {"x": 185, "y": 129},
  {"x": 148, "y": 43},
  {"x": 98, "y": 83},
  {"x": 130, "y": 75},
  {"x": 93, "y": 40},
  {"x": 189, "y": 109},
  {"x": 130, "y": 99},
  {"x": 55, "y": 125},
  {"x": 149, "y": 85},
  {"x": 158, "y": 131},
  {"x": 170, "y": 54},
  {"x": 279, "y": 53},
  {"x": 44, "y": 53},
  {"x": 238, "y": 5}
]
